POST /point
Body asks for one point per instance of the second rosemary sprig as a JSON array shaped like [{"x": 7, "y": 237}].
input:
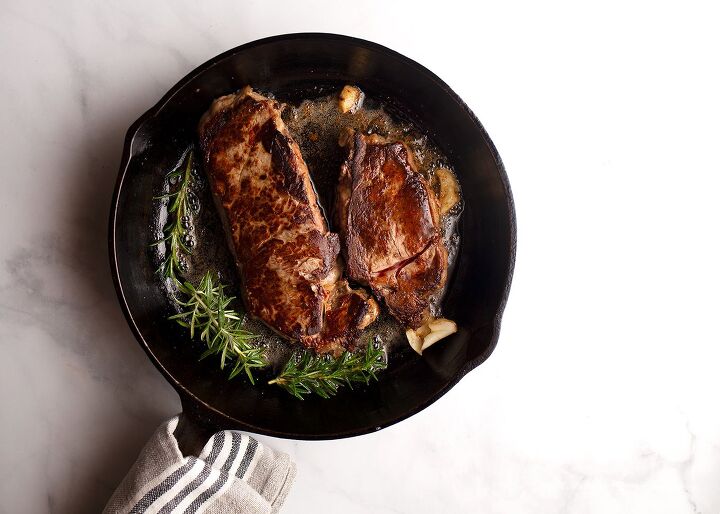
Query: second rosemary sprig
[
  {"x": 308, "y": 373},
  {"x": 207, "y": 313}
]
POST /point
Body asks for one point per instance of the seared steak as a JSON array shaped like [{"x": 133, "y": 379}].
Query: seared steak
[
  {"x": 389, "y": 225},
  {"x": 288, "y": 260}
]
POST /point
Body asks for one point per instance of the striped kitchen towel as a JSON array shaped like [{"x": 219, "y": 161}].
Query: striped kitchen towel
[{"x": 233, "y": 474}]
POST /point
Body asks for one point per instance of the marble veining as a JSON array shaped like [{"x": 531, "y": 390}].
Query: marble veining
[{"x": 602, "y": 394}]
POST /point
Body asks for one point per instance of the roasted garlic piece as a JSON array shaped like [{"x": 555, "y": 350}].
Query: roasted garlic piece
[
  {"x": 351, "y": 99},
  {"x": 449, "y": 189},
  {"x": 430, "y": 333}
]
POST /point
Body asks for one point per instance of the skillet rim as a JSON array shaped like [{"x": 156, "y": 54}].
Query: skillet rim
[{"x": 185, "y": 394}]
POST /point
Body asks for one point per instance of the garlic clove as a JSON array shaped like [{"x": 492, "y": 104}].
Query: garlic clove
[
  {"x": 449, "y": 189},
  {"x": 430, "y": 333},
  {"x": 351, "y": 99}
]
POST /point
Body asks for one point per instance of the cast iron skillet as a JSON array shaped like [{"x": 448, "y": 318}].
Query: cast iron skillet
[{"x": 293, "y": 66}]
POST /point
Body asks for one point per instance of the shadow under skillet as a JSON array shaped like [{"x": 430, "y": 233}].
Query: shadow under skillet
[{"x": 112, "y": 354}]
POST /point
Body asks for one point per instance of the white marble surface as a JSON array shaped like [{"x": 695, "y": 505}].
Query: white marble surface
[{"x": 602, "y": 395}]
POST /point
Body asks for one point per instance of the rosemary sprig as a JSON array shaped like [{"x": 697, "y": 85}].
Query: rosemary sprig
[
  {"x": 308, "y": 373},
  {"x": 176, "y": 234},
  {"x": 219, "y": 327}
]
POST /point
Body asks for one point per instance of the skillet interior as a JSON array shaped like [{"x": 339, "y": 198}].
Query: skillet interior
[{"x": 293, "y": 67}]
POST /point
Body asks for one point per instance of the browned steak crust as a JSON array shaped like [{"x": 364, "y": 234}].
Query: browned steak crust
[
  {"x": 390, "y": 230},
  {"x": 288, "y": 260}
]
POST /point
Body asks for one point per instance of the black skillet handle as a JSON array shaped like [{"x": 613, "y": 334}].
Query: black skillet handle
[{"x": 193, "y": 429}]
